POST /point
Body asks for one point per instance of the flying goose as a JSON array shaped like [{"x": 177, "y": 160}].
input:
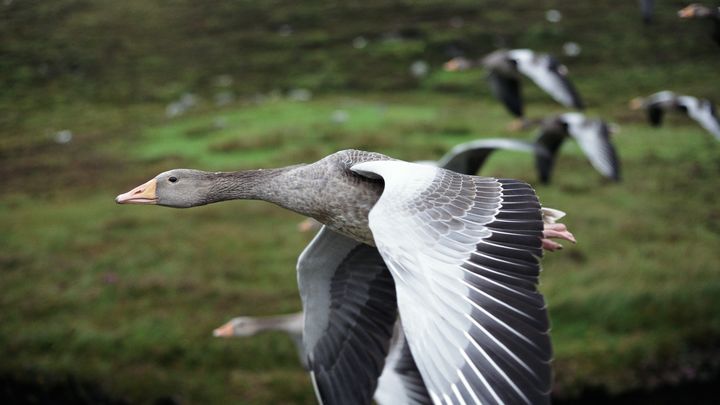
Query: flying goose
[
  {"x": 291, "y": 324},
  {"x": 463, "y": 253},
  {"x": 699, "y": 11},
  {"x": 701, "y": 110},
  {"x": 592, "y": 135},
  {"x": 503, "y": 72},
  {"x": 399, "y": 383}
]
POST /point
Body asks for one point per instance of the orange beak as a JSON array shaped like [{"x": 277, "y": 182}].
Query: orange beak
[
  {"x": 224, "y": 331},
  {"x": 144, "y": 194}
]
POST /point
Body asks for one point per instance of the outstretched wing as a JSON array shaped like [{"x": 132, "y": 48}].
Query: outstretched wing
[
  {"x": 551, "y": 137},
  {"x": 464, "y": 253},
  {"x": 703, "y": 112},
  {"x": 350, "y": 308},
  {"x": 593, "y": 136},
  {"x": 550, "y": 76},
  {"x": 507, "y": 90},
  {"x": 469, "y": 157}
]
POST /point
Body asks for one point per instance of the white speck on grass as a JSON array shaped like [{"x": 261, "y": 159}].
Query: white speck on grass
[
  {"x": 300, "y": 95},
  {"x": 339, "y": 116},
  {"x": 359, "y": 42},
  {"x": 63, "y": 137},
  {"x": 572, "y": 49},
  {"x": 419, "y": 69},
  {"x": 554, "y": 16}
]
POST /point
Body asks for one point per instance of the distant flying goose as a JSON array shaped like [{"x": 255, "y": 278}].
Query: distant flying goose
[
  {"x": 655, "y": 105},
  {"x": 698, "y": 11},
  {"x": 504, "y": 68},
  {"x": 400, "y": 381},
  {"x": 701, "y": 110},
  {"x": 244, "y": 326},
  {"x": 592, "y": 135},
  {"x": 457, "y": 256}
]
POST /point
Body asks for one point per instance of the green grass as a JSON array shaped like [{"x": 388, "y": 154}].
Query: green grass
[{"x": 128, "y": 296}]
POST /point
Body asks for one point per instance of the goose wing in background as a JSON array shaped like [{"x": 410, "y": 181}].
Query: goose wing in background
[
  {"x": 350, "y": 308},
  {"x": 549, "y": 75},
  {"x": 593, "y": 136},
  {"x": 464, "y": 253},
  {"x": 469, "y": 157},
  {"x": 702, "y": 111},
  {"x": 400, "y": 382},
  {"x": 507, "y": 90},
  {"x": 553, "y": 132}
]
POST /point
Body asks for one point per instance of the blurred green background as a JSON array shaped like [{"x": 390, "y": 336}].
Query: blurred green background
[{"x": 102, "y": 303}]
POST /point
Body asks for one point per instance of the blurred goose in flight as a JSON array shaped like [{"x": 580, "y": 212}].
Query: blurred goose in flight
[
  {"x": 463, "y": 253},
  {"x": 701, "y": 110},
  {"x": 244, "y": 326},
  {"x": 699, "y": 11},
  {"x": 504, "y": 68},
  {"x": 399, "y": 383},
  {"x": 592, "y": 135}
]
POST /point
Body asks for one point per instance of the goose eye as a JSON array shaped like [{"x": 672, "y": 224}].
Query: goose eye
[{"x": 172, "y": 179}]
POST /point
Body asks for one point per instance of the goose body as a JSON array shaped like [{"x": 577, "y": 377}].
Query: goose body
[
  {"x": 461, "y": 251},
  {"x": 505, "y": 68},
  {"x": 702, "y": 111}
]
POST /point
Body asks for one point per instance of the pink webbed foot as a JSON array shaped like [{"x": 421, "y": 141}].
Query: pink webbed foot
[{"x": 555, "y": 231}]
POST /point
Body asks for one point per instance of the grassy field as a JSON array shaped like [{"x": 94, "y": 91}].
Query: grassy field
[{"x": 125, "y": 298}]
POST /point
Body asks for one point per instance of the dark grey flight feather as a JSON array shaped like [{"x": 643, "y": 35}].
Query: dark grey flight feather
[
  {"x": 507, "y": 89},
  {"x": 557, "y": 69},
  {"x": 350, "y": 309}
]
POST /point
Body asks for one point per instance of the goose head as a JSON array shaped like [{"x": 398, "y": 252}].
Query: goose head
[
  {"x": 457, "y": 64},
  {"x": 637, "y": 103},
  {"x": 695, "y": 11},
  {"x": 179, "y": 188},
  {"x": 240, "y": 326}
]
